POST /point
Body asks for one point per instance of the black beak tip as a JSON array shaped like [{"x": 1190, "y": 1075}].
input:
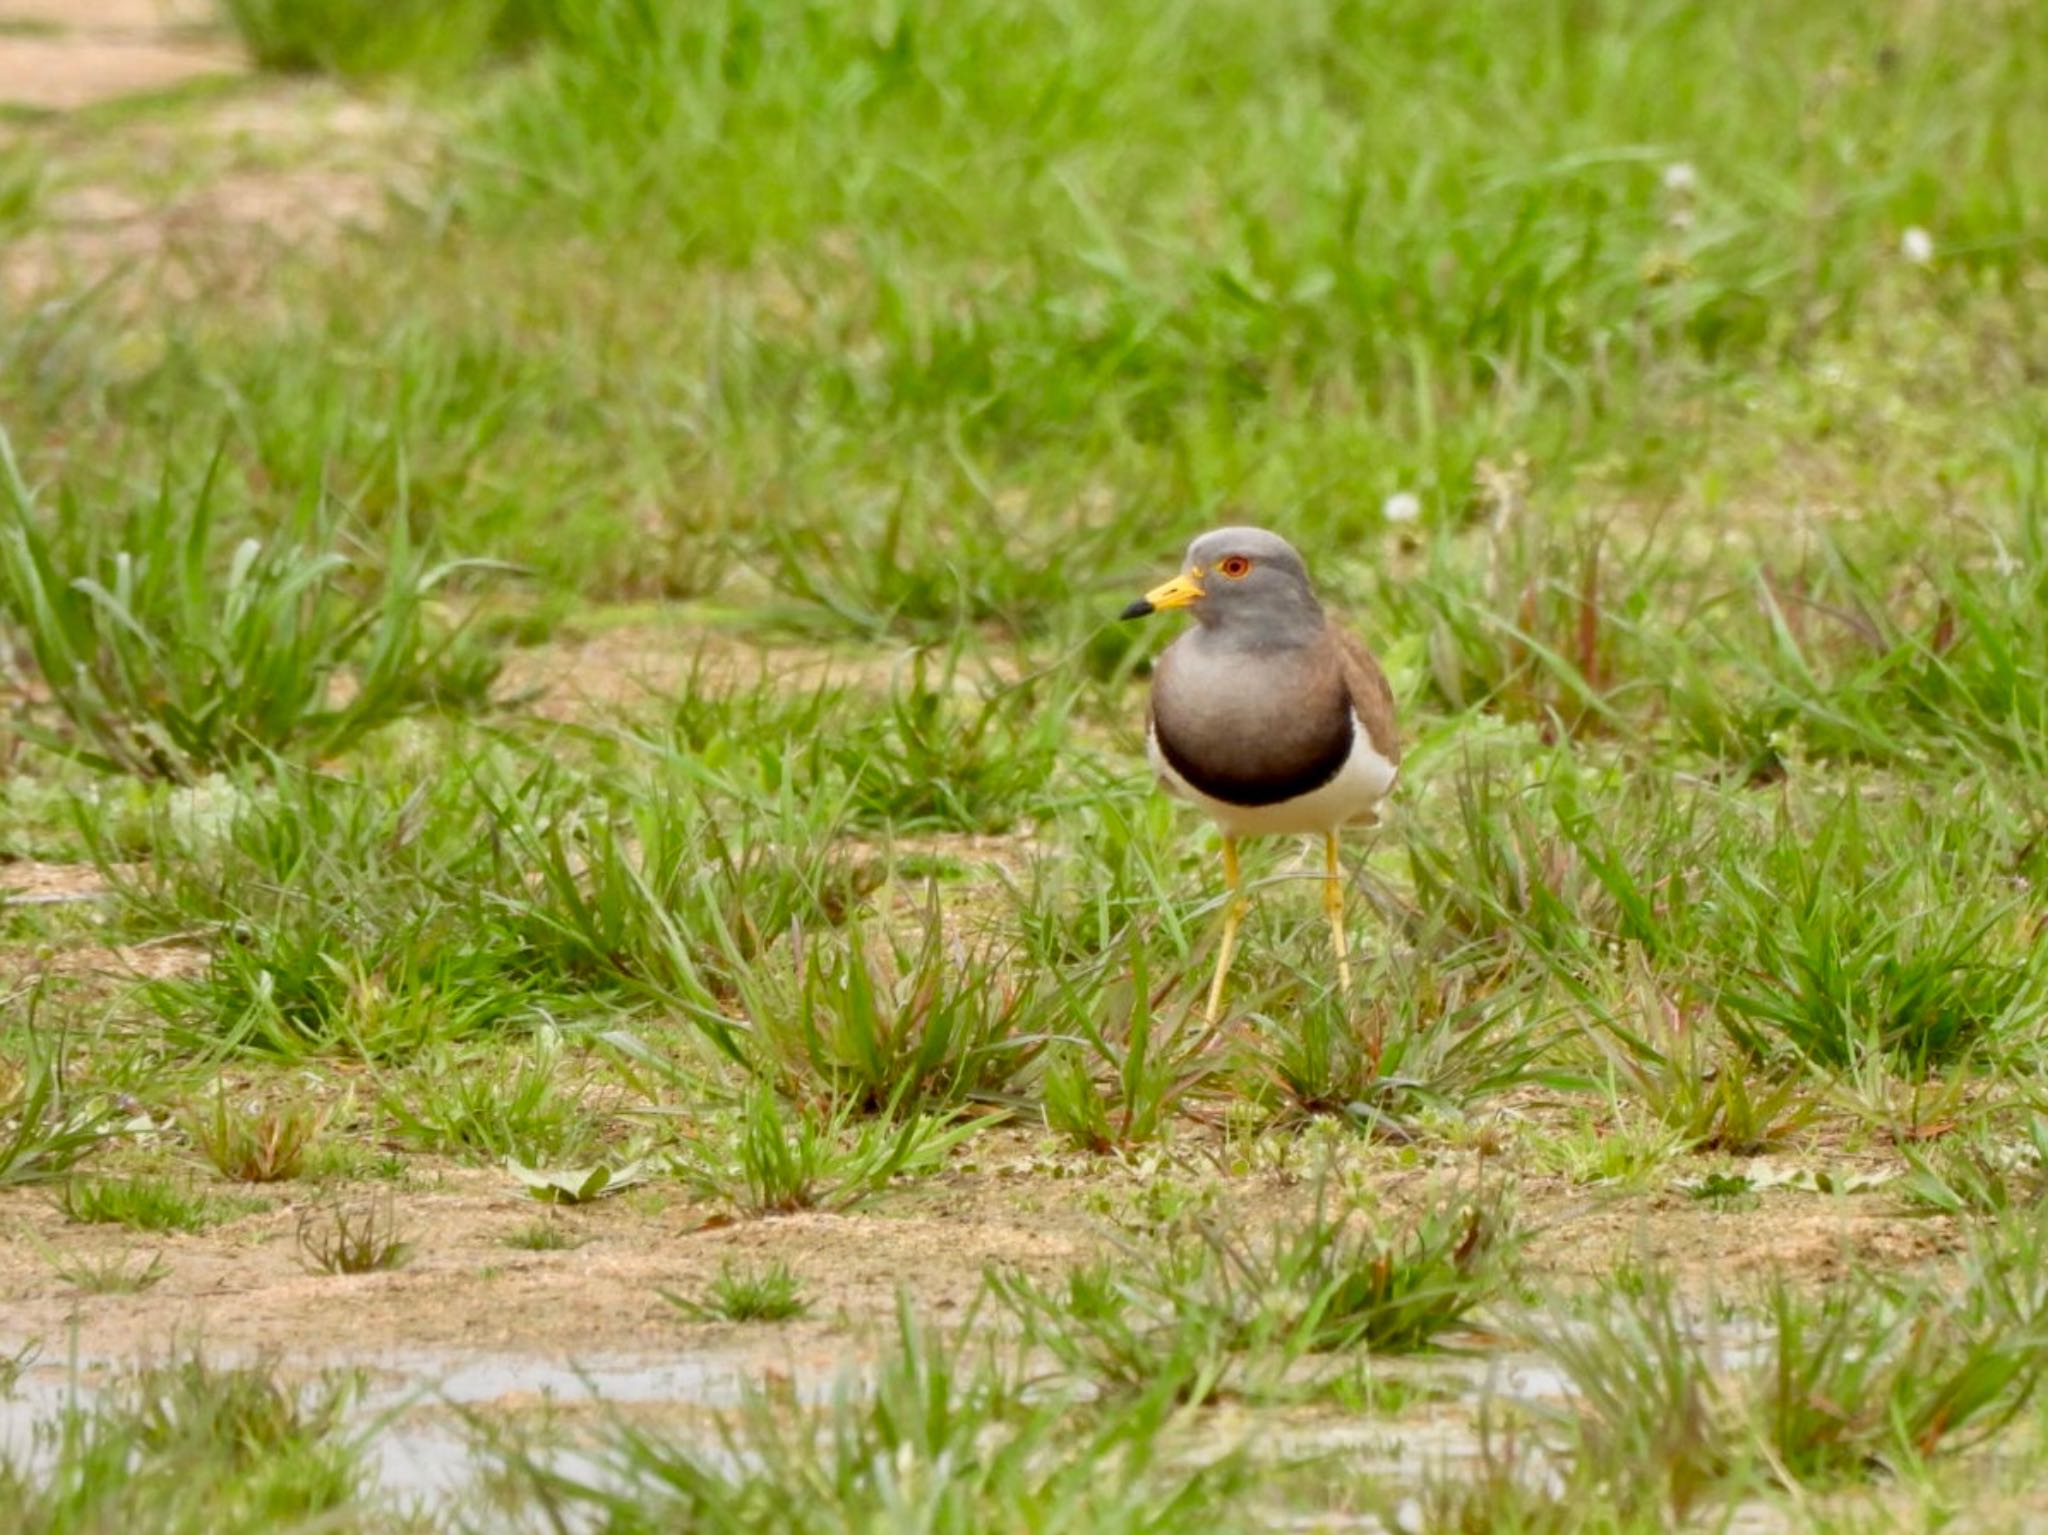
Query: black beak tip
[{"x": 1139, "y": 609}]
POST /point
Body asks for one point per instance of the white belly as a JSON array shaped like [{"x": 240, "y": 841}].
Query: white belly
[{"x": 1351, "y": 796}]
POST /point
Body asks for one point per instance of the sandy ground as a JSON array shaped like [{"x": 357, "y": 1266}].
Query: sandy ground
[
  {"x": 1019, "y": 1203},
  {"x": 645, "y": 661},
  {"x": 58, "y": 55},
  {"x": 30, "y": 882}
]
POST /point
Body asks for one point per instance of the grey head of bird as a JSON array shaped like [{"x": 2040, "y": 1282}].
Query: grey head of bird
[{"x": 1243, "y": 586}]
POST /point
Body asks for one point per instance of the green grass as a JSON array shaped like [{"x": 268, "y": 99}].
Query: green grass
[
  {"x": 109, "y": 1273},
  {"x": 1674, "y": 1404},
  {"x": 914, "y": 1023},
  {"x": 812, "y": 385},
  {"x": 543, "y": 1236},
  {"x": 1980, "y": 1173},
  {"x": 469, "y": 906},
  {"x": 1232, "y": 1314},
  {"x": 492, "y": 1108},
  {"x": 947, "y": 1438},
  {"x": 21, "y": 187},
  {"x": 149, "y": 1204},
  {"x": 1123, "y": 1066},
  {"x": 362, "y": 38},
  {"x": 45, "y": 1130},
  {"x": 767, "y": 1158},
  {"x": 169, "y": 654},
  {"x": 186, "y": 1446}
]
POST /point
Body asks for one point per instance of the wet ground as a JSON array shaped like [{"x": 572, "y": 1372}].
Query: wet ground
[{"x": 416, "y": 1408}]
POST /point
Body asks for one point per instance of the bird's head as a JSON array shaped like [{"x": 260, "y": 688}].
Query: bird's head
[{"x": 1237, "y": 577}]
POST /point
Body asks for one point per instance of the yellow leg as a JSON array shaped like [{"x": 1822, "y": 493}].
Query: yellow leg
[
  {"x": 1231, "y": 918},
  {"x": 1333, "y": 903}
]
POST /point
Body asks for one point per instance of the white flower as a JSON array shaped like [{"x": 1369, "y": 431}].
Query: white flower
[
  {"x": 1402, "y": 506},
  {"x": 1917, "y": 246},
  {"x": 1409, "y": 1518},
  {"x": 1681, "y": 178}
]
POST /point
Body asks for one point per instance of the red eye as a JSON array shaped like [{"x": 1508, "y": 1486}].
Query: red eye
[{"x": 1235, "y": 566}]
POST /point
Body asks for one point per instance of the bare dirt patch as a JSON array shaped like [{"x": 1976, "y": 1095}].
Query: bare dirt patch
[
  {"x": 160, "y": 960},
  {"x": 59, "y": 55},
  {"x": 245, "y": 1286},
  {"x": 111, "y": 18},
  {"x": 61, "y": 73},
  {"x": 655, "y": 662},
  {"x": 30, "y": 881},
  {"x": 211, "y": 202}
]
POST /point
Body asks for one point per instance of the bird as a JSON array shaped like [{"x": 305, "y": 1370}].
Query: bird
[{"x": 1266, "y": 715}]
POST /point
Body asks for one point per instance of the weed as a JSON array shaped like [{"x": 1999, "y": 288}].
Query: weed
[
  {"x": 1115, "y": 877},
  {"x": 1855, "y": 1386},
  {"x": 1556, "y": 858},
  {"x": 363, "y": 38},
  {"x": 2006, "y": 1279},
  {"x": 1599, "y": 1150},
  {"x": 168, "y": 661},
  {"x": 543, "y": 1236},
  {"x": 1540, "y": 640},
  {"x": 1511, "y": 1488},
  {"x": 1420, "y": 1035},
  {"x": 255, "y": 1142},
  {"x": 1319, "y": 1057},
  {"x": 1711, "y": 1099},
  {"x": 577, "y": 1185},
  {"x": 662, "y": 888},
  {"x": 349, "y": 914},
  {"x": 187, "y": 1446},
  {"x": 1978, "y": 1175},
  {"x": 334, "y": 1160},
  {"x": 943, "y": 1436},
  {"x": 364, "y": 1238},
  {"x": 920, "y": 1026},
  {"x": 1220, "y": 1311},
  {"x": 389, "y": 916},
  {"x": 1674, "y": 1407},
  {"x": 1118, "y": 1077},
  {"x": 1871, "y": 949},
  {"x": 23, "y": 177},
  {"x": 43, "y": 1134},
  {"x": 941, "y": 757},
  {"x": 493, "y": 1110},
  {"x": 771, "y": 1294},
  {"x": 115, "y": 1273},
  {"x": 779, "y": 1159}
]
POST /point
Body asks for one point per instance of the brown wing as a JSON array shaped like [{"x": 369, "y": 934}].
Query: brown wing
[{"x": 1371, "y": 699}]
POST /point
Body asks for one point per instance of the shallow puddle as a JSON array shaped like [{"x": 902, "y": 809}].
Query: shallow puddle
[{"x": 419, "y": 1456}]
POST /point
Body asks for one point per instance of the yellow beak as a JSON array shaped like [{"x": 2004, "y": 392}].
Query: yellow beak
[{"x": 1177, "y": 593}]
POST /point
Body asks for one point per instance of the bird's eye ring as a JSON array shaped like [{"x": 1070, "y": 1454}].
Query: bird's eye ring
[{"x": 1235, "y": 566}]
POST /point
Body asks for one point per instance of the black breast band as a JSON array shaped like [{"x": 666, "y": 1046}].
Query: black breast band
[{"x": 1265, "y": 786}]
